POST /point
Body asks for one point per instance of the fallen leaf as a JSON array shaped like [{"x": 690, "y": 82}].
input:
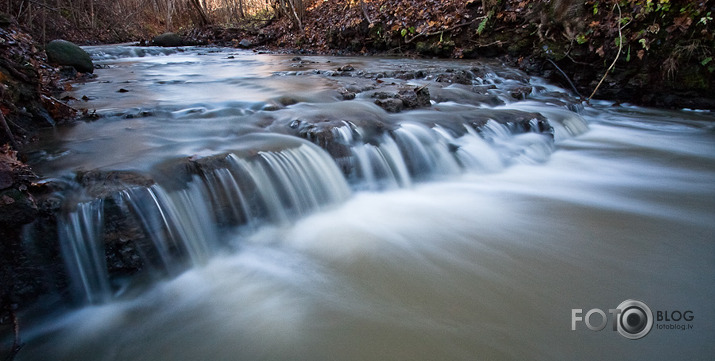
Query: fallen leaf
[{"x": 600, "y": 51}]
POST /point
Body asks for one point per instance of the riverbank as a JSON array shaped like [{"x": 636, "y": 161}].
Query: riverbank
[
  {"x": 655, "y": 54},
  {"x": 29, "y": 90}
]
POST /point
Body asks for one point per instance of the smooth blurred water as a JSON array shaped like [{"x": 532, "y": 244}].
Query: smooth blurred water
[{"x": 472, "y": 266}]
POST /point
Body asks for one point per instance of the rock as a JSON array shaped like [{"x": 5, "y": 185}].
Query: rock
[
  {"x": 383, "y": 95},
  {"x": 520, "y": 92},
  {"x": 391, "y": 105},
  {"x": 102, "y": 184},
  {"x": 168, "y": 40},
  {"x": 346, "y": 94},
  {"x": 456, "y": 77},
  {"x": 415, "y": 98},
  {"x": 245, "y": 43},
  {"x": 404, "y": 98},
  {"x": 16, "y": 207},
  {"x": 347, "y": 67},
  {"x": 63, "y": 52}
]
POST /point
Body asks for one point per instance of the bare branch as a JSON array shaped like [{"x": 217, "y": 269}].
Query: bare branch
[
  {"x": 620, "y": 47},
  {"x": 407, "y": 41}
]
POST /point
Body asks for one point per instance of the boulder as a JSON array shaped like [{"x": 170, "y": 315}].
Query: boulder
[
  {"x": 168, "y": 40},
  {"x": 63, "y": 52},
  {"x": 245, "y": 43}
]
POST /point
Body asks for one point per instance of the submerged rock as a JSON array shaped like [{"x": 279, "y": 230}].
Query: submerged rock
[{"x": 63, "y": 52}]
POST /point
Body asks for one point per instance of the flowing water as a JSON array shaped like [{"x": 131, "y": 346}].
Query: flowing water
[{"x": 418, "y": 235}]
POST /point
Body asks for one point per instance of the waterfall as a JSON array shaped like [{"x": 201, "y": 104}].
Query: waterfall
[
  {"x": 293, "y": 182},
  {"x": 183, "y": 220},
  {"x": 178, "y": 223},
  {"x": 415, "y": 152},
  {"x": 80, "y": 235},
  {"x": 181, "y": 226}
]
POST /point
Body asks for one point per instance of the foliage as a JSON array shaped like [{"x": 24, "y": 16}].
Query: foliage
[
  {"x": 677, "y": 30},
  {"x": 483, "y": 23},
  {"x": 86, "y": 21},
  {"x": 657, "y": 37}
]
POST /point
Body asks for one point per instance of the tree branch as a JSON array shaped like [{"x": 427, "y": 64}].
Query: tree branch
[
  {"x": 620, "y": 47},
  {"x": 567, "y": 78},
  {"x": 300, "y": 23},
  {"x": 8, "y": 132},
  {"x": 407, "y": 41},
  {"x": 364, "y": 12}
]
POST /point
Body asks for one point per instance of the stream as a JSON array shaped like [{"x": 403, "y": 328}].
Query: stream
[{"x": 230, "y": 205}]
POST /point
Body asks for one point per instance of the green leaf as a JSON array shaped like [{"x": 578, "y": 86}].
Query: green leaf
[
  {"x": 644, "y": 43},
  {"x": 482, "y": 26},
  {"x": 580, "y": 38},
  {"x": 628, "y": 55},
  {"x": 483, "y": 23},
  {"x": 403, "y": 32},
  {"x": 706, "y": 61},
  {"x": 411, "y": 29}
]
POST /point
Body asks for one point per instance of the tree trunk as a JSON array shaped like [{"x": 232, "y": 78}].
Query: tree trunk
[
  {"x": 169, "y": 10},
  {"x": 91, "y": 14},
  {"x": 203, "y": 19}
]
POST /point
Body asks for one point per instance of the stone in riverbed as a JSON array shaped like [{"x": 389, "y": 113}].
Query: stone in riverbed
[
  {"x": 63, "y": 52},
  {"x": 391, "y": 105},
  {"x": 245, "y": 43},
  {"x": 415, "y": 98},
  {"x": 168, "y": 40},
  {"x": 394, "y": 101}
]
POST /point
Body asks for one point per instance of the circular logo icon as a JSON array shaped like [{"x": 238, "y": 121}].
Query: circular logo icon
[{"x": 635, "y": 319}]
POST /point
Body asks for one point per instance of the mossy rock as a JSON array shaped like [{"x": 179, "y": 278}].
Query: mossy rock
[
  {"x": 168, "y": 40},
  {"x": 63, "y": 52}
]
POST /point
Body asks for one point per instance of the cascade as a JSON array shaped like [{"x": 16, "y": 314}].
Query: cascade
[{"x": 183, "y": 224}]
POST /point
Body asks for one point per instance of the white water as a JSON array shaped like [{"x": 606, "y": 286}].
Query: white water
[{"x": 481, "y": 265}]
